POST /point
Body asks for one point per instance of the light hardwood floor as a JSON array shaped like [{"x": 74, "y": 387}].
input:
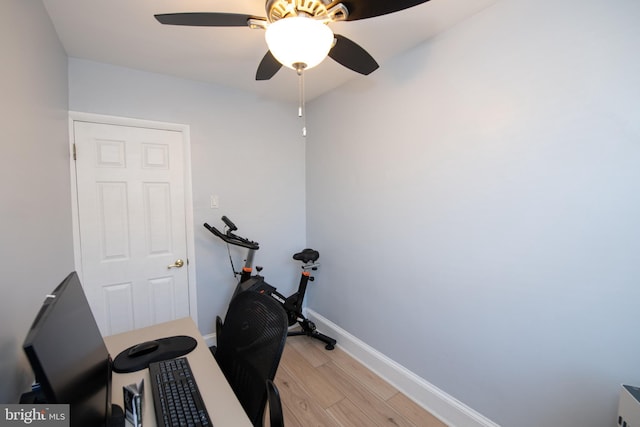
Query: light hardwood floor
[{"x": 329, "y": 388}]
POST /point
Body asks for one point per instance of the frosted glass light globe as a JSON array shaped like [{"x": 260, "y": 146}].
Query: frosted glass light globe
[{"x": 299, "y": 40}]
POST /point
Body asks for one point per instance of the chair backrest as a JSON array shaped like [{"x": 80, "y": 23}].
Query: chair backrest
[{"x": 250, "y": 346}]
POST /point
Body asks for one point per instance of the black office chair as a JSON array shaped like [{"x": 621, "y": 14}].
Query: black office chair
[
  {"x": 249, "y": 348},
  {"x": 276, "y": 418}
]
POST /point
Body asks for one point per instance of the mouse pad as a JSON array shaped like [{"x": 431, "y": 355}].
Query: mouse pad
[{"x": 168, "y": 348}]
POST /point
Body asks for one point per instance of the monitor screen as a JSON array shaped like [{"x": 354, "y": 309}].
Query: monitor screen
[{"x": 68, "y": 355}]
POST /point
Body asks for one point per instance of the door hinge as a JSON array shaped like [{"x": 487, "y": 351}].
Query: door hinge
[{"x": 73, "y": 149}]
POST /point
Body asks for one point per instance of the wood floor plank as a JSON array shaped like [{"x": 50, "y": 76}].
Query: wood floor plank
[
  {"x": 364, "y": 375},
  {"x": 290, "y": 419},
  {"x": 316, "y": 355},
  {"x": 414, "y": 412},
  {"x": 305, "y": 410},
  {"x": 316, "y": 385},
  {"x": 347, "y": 414},
  {"x": 377, "y": 409}
]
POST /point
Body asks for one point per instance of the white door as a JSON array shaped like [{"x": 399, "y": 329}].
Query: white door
[{"x": 131, "y": 214}]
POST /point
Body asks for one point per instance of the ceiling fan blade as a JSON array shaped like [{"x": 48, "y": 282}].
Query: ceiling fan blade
[
  {"x": 268, "y": 67},
  {"x": 206, "y": 19},
  {"x": 362, "y": 9},
  {"x": 352, "y": 56}
]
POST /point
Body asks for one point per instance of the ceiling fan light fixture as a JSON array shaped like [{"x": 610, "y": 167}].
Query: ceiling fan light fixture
[{"x": 299, "y": 40}]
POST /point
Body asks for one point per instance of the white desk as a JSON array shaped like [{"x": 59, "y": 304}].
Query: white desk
[{"x": 222, "y": 405}]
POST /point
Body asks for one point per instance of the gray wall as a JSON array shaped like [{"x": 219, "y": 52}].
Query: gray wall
[
  {"x": 245, "y": 149},
  {"x": 36, "y": 245},
  {"x": 476, "y": 203}
]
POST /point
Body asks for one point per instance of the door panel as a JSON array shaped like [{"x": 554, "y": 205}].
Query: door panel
[{"x": 131, "y": 214}]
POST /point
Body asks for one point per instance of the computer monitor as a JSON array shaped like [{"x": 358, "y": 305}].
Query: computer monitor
[{"x": 68, "y": 355}]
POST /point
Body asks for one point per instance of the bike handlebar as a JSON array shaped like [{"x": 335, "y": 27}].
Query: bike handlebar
[
  {"x": 231, "y": 238},
  {"x": 227, "y": 221}
]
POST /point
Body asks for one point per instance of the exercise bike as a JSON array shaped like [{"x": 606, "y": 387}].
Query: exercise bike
[{"x": 256, "y": 282}]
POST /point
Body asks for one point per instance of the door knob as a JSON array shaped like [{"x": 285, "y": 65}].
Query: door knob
[{"x": 179, "y": 263}]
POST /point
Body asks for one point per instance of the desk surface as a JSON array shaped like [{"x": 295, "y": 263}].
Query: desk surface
[{"x": 223, "y": 406}]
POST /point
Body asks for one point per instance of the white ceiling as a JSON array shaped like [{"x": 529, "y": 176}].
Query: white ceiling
[{"x": 125, "y": 33}]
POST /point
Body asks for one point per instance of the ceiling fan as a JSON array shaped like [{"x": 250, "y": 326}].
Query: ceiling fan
[{"x": 297, "y": 31}]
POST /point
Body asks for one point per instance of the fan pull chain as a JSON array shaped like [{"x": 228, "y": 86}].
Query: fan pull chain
[{"x": 301, "y": 103}]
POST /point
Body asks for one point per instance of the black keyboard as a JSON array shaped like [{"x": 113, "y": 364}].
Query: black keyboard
[{"x": 176, "y": 396}]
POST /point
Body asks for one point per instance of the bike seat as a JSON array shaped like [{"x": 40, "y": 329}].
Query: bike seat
[{"x": 307, "y": 255}]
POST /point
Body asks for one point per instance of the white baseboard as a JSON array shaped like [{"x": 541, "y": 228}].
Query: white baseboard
[
  {"x": 448, "y": 409},
  {"x": 210, "y": 339}
]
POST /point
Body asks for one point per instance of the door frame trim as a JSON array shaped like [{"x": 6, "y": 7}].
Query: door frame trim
[{"x": 77, "y": 116}]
